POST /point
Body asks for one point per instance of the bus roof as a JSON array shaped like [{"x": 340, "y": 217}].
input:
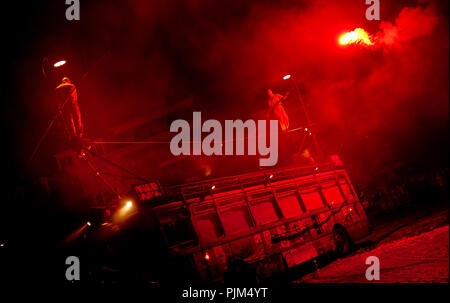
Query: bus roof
[{"x": 201, "y": 188}]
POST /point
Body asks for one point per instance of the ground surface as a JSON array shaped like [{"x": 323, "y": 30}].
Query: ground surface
[{"x": 411, "y": 247}]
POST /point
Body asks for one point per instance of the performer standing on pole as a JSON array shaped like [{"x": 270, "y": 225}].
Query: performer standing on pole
[
  {"x": 277, "y": 109},
  {"x": 70, "y": 113}
]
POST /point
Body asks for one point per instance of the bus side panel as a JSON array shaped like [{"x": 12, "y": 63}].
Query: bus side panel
[
  {"x": 211, "y": 263},
  {"x": 360, "y": 228},
  {"x": 324, "y": 244},
  {"x": 300, "y": 254},
  {"x": 249, "y": 249},
  {"x": 269, "y": 267},
  {"x": 353, "y": 218}
]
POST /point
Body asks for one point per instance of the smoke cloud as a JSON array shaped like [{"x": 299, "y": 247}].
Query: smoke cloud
[
  {"x": 410, "y": 23},
  {"x": 376, "y": 107}
]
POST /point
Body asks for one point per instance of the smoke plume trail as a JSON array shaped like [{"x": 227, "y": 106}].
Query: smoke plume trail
[{"x": 410, "y": 23}]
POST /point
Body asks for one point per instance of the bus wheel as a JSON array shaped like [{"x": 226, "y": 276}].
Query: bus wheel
[{"x": 342, "y": 240}]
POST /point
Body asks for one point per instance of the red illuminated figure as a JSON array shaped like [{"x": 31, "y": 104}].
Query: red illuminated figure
[
  {"x": 276, "y": 107},
  {"x": 305, "y": 154},
  {"x": 69, "y": 110}
]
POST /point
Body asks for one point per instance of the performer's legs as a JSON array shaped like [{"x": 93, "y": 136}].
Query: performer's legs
[{"x": 74, "y": 139}]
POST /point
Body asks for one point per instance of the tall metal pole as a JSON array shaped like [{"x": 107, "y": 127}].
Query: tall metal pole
[
  {"x": 99, "y": 175},
  {"x": 44, "y": 135},
  {"x": 118, "y": 166},
  {"x": 308, "y": 120}
]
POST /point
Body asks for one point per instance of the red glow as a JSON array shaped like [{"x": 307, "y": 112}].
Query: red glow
[
  {"x": 286, "y": 77},
  {"x": 207, "y": 256},
  {"x": 213, "y": 187}
]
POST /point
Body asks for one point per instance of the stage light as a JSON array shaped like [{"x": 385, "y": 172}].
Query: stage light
[
  {"x": 128, "y": 205},
  {"x": 213, "y": 187},
  {"x": 271, "y": 176},
  {"x": 286, "y": 77},
  {"x": 88, "y": 223},
  {"x": 207, "y": 257},
  {"x": 306, "y": 129},
  {"x": 59, "y": 63},
  {"x": 124, "y": 212}
]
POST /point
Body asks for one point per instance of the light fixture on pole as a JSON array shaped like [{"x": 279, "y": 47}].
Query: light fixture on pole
[
  {"x": 305, "y": 112},
  {"x": 287, "y": 77},
  {"x": 60, "y": 63}
]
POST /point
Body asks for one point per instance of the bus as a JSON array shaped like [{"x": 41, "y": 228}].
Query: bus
[{"x": 272, "y": 220}]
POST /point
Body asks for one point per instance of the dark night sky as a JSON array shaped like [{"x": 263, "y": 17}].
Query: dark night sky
[
  {"x": 129, "y": 58},
  {"x": 378, "y": 108}
]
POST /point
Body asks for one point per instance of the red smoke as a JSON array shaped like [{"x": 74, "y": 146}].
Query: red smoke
[
  {"x": 226, "y": 54},
  {"x": 410, "y": 23}
]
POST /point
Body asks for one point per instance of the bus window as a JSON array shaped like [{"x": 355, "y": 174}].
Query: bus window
[
  {"x": 236, "y": 220},
  {"x": 346, "y": 189},
  {"x": 178, "y": 229},
  {"x": 311, "y": 198},
  {"x": 289, "y": 206},
  {"x": 332, "y": 194},
  {"x": 264, "y": 212},
  {"x": 208, "y": 227}
]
